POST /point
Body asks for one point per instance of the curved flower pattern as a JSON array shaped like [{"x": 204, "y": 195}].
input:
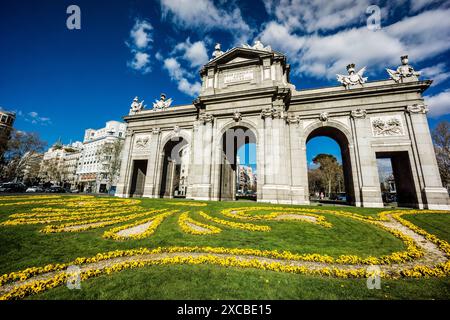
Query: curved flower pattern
[
  {"x": 74, "y": 214},
  {"x": 188, "y": 225}
]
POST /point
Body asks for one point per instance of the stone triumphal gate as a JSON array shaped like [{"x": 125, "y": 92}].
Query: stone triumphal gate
[{"x": 246, "y": 97}]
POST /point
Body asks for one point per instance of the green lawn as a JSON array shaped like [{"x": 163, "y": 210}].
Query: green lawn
[
  {"x": 210, "y": 282},
  {"x": 437, "y": 224},
  {"x": 23, "y": 246}
]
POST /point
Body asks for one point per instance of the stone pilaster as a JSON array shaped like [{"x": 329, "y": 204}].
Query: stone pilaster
[
  {"x": 122, "y": 189},
  {"x": 201, "y": 161},
  {"x": 368, "y": 170},
  {"x": 298, "y": 163},
  {"x": 436, "y": 197},
  {"x": 150, "y": 180},
  {"x": 276, "y": 188}
]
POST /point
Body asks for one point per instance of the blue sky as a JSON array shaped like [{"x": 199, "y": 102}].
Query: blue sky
[{"x": 63, "y": 81}]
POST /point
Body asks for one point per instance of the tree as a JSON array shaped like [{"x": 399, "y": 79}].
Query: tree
[
  {"x": 330, "y": 171},
  {"x": 110, "y": 155},
  {"x": 315, "y": 180},
  {"x": 441, "y": 139},
  {"x": 21, "y": 147}
]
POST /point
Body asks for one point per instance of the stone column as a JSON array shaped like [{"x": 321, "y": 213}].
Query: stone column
[
  {"x": 123, "y": 185},
  {"x": 150, "y": 180},
  {"x": 298, "y": 163},
  {"x": 370, "y": 184},
  {"x": 268, "y": 160},
  {"x": 158, "y": 173},
  {"x": 276, "y": 188},
  {"x": 171, "y": 179},
  {"x": 436, "y": 197},
  {"x": 202, "y": 158}
]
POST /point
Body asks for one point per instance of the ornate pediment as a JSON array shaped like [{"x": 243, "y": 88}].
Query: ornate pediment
[
  {"x": 238, "y": 59},
  {"x": 244, "y": 68},
  {"x": 242, "y": 55}
]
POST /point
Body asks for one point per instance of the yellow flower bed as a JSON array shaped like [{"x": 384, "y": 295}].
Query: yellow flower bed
[
  {"x": 156, "y": 221},
  {"x": 235, "y": 225},
  {"x": 42, "y": 285},
  {"x": 96, "y": 213},
  {"x": 77, "y": 215},
  {"x": 187, "y": 204},
  {"x": 185, "y": 222},
  {"x": 242, "y": 213},
  {"x": 96, "y": 223}
]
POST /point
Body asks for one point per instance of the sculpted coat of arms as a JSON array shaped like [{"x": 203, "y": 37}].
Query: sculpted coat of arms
[
  {"x": 142, "y": 142},
  {"x": 387, "y": 126}
]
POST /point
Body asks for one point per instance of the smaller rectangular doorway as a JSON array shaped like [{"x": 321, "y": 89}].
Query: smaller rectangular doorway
[
  {"x": 398, "y": 185},
  {"x": 138, "y": 178}
]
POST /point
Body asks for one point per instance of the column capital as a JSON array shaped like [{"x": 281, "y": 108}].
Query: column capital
[
  {"x": 417, "y": 108},
  {"x": 293, "y": 119},
  {"x": 274, "y": 113},
  {"x": 206, "y": 118},
  {"x": 358, "y": 114},
  {"x": 129, "y": 132}
]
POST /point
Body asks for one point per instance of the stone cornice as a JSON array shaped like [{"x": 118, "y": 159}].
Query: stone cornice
[
  {"x": 333, "y": 94},
  {"x": 169, "y": 113},
  {"x": 236, "y": 96}
]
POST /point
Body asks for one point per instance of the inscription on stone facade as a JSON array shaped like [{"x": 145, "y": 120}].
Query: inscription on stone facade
[
  {"x": 238, "y": 76},
  {"x": 386, "y": 126}
]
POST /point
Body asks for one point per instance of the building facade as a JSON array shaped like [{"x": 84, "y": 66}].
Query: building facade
[
  {"x": 59, "y": 163},
  {"x": 6, "y": 125},
  {"x": 92, "y": 169},
  {"x": 246, "y": 95}
]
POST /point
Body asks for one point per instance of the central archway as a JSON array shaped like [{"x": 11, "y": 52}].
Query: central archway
[
  {"x": 237, "y": 175},
  {"x": 341, "y": 139},
  {"x": 174, "y": 169}
]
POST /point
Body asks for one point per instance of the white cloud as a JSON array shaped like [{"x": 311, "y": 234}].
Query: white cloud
[
  {"x": 417, "y": 5},
  {"x": 177, "y": 73},
  {"x": 278, "y": 36},
  {"x": 204, "y": 15},
  {"x": 140, "y": 34},
  {"x": 140, "y": 62},
  {"x": 159, "y": 56},
  {"x": 437, "y": 72},
  {"x": 422, "y": 37},
  {"x": 174, "y": 68},
  {"x": 438, "y": 104},
  {"x": 34, "y": 118},
  {"x": 139, "y": 44},
  {"x": 318, "y": 15},
  {"x": 195, "y": 53}
]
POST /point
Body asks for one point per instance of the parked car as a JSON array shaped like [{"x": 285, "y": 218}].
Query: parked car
[
  {"x": 35, "y": 189},
  {"x": 389, "y": 197},
  {"x": 11, "y": 187},
  {"x": 73, "y": 191},
  {"x": 341, "y": 196},
  {"x": 55, "y": 189}
]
